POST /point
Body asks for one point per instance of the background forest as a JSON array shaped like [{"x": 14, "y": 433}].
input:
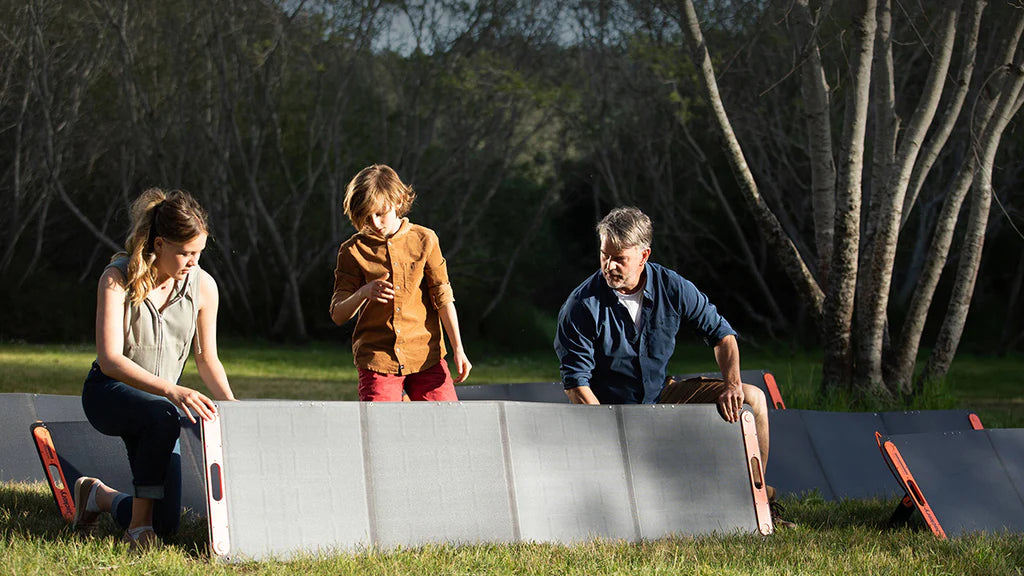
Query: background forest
[{"x": 519, "y": 124}]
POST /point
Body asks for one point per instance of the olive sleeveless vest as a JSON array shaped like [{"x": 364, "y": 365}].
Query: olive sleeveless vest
[{"x": 160, "y": 341}]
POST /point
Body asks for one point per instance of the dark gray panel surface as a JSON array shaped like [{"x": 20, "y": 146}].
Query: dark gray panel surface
[
  {"x": 1009, "y": 445},
  {"x": 836, "y": 452},
  {"x": 515, "y": 392},
  {"x": 911, "y": 422},
  {"x": 58, "y": 408},
  {"x": 685, "y": 470},
  {"x": 19, "y": 461},
  {"x": 964, "y": 479},
  {"x": 846, "y": 447},
  {"x": 793, "y": 465}
]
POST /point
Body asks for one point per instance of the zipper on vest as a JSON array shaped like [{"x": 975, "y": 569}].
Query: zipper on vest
[{"x": 160, "y": 342}]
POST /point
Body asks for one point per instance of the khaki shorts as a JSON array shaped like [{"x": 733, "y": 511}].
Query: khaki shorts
[{"x": 698, "y": 390}]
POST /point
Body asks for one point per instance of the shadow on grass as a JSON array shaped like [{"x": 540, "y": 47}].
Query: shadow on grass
[
  {"x": 813, "y": 512},
  {"x": 28, "y": 510}
]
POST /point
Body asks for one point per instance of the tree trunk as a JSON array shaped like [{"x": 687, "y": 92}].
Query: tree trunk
[
  {"x": 768, "y": 224},
  {"x": 836, "y": 322},
  {"x": 948, "y": 118},
  {"x": 815, "y": 91},
  {"x": 887, "y": 204},
  {"x": 905, "y": 355},
  {"x": 974, "y": 238}
]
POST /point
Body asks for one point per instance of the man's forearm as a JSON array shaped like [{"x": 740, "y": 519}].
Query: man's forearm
[
  {"x": 581, "y": 395},
  {"x": 727, "y": 354}
]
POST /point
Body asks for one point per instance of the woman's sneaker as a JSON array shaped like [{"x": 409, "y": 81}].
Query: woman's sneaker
[
  {"x": 144, "y": 541},
  {"x": 84, "y": 521}
]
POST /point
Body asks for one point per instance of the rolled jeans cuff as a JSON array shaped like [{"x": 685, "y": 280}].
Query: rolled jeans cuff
[{"x": 150, "y": 492}]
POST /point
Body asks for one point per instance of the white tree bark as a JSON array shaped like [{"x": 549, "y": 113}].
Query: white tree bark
[
  {"x": 817, "y": 108},
  {"x": 947, "y": 119},
  {"x": 887, "y": 200},
  {"x": 974, "y": 237},
  {"x": 839, "y": 302},
  {"x": 983, "y": 139},
  {"x": 768, "y": 224}
]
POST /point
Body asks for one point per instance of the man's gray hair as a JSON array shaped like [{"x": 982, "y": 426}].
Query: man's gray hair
[{"x": 626, "y": 227}]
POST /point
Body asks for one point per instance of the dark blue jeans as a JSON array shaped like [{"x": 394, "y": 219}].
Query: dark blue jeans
[{"x": 149, "y": 426}]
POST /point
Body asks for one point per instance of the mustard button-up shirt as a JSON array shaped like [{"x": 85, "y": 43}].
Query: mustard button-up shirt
[{"x": 403, "y": 336}]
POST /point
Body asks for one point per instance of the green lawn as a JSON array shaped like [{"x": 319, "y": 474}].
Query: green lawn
[
  {"x": 993, "y": 387},
  {"x": 833, "y": 538}
]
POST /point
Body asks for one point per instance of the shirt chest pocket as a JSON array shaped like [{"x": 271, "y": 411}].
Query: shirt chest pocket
[
  {"x": 407, "y": 276},
  {"x": 661, "y": 335}
]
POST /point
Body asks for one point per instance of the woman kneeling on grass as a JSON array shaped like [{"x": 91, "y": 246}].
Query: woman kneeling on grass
[{"x": 153, "y": 302}]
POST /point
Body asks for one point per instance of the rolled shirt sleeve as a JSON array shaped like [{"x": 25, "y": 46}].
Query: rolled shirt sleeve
[
  {"x": 701, "y": 315},
  {"x": 348, "y": 278},
  {"x": 435, "y": 276},
  {"x": 574, "y": 344}
]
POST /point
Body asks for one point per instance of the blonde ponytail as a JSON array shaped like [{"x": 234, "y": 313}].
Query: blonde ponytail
[{"x": 175, "y": 216}]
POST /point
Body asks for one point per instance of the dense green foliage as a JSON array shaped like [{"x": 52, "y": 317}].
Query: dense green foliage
[{"x": 518, "y": 126}]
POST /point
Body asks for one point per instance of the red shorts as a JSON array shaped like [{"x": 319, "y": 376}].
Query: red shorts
[{"x": 434, "y": 384}]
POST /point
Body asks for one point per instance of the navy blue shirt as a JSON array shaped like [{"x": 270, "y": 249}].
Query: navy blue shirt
[{"x": 599, "y": 345}]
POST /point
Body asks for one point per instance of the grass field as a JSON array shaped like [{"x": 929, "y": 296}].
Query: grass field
[
  {"x": 833, "y": 538},
  {"x": 993, "y": 387}
]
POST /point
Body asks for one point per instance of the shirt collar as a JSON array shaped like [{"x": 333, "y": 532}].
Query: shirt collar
[{"x": 648, "y": 281}]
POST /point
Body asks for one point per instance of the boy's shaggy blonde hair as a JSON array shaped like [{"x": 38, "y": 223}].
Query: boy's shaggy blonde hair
[{"x": 373, "y": 190}]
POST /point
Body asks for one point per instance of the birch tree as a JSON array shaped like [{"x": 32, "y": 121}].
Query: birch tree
[{"x": 850, "y": 287}]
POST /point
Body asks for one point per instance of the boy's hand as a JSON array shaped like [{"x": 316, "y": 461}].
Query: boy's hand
[
  {"x": 380, "y": 290},
  {"x": 462, "y": 364}
]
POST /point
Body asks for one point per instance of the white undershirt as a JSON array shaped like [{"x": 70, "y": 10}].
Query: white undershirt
[{"x": 632, "y": 303}]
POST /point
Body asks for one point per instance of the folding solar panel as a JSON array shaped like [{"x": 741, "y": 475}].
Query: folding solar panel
[
  {"x": 962, "y": 482},
  {"x": 295, "y": 473},
  {"x": 836, "y": 454},
  {"x": 70, "y": 450},
  {"x": 793, "y": 464},
  {"x": 287, "y": 478},
  {"x": 570, "y": 476},
  {"x": 429, "y": 465},
  {"x": 845, "y": 447},
  {"x": 18, "y": 459},
  {"x": 684, "y": 474},
  {"x": 554, "y": 392},
  {"x": 515, "y": 392}
]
